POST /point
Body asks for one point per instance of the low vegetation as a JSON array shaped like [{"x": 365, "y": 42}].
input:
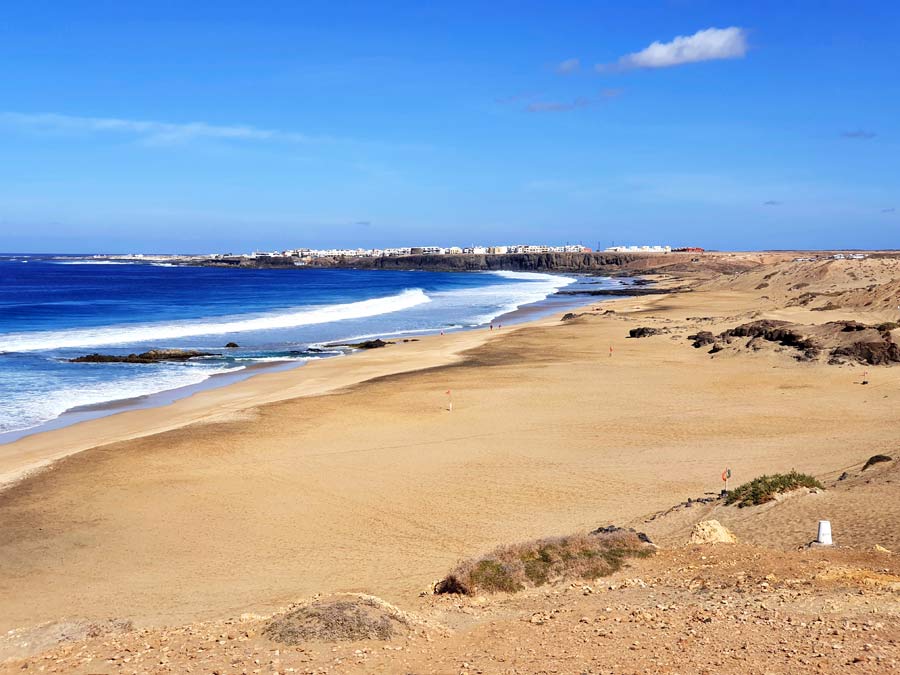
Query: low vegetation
[
  {"x": 332, "y": 620},
  {"x": 765, "y": 488},
  {"x": 513, "y": 568}
]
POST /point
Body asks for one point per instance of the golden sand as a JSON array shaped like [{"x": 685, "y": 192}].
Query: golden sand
[{"x": 351, "y": 475}]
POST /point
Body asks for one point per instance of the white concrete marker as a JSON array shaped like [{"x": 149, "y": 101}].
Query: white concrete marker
[{"x": 824, "y": 536}]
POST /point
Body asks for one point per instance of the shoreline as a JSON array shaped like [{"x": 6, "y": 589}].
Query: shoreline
[
  {"x": 548, "y": 305},
  {"x": 40, "y": 449}
]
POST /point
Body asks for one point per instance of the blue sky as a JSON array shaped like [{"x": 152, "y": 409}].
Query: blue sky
[{"x": 233, "y": 125}]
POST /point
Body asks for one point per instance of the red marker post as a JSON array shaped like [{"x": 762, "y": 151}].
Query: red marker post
[
  {"x": 726, "y": 474},
  {"x": 450, "y": 399}
]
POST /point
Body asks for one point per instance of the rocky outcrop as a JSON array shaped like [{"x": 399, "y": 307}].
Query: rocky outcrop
[
  {"x": 643, "y": 331},
  {"x": 701, "y": 339},
  {"x": 871, "y": 353},
  {"x": 377, "y": 343},
  {"x": 712, "y": 532},
  {"x": 152, "y": 356},
  {"x": 232, "y": 345},
  {"x": 780, "y": 332}
]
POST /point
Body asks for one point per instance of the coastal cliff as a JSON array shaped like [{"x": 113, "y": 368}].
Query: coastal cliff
[
  {"x": 514, "y": 262},
  {"x": 522, "y": 262},
  {"x": 600, "y": 263}
]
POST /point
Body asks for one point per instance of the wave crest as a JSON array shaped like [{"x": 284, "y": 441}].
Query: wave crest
[{"x": 127, "y": 334}]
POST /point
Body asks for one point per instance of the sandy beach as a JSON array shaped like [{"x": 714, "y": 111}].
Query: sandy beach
[{"x": 351, "y": 475}]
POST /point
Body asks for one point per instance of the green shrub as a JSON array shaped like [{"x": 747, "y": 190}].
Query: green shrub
[
  {"x": 763, "y": 489},
  {"x": 512, "y": 568}
]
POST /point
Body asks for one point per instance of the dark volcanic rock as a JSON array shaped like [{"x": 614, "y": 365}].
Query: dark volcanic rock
[
  {"x": 152, "y": 356},
  {"x": 776, "y": 331},
  {"x": 702, "y": 338},
  {"x": 848, "y": 326},
  {"x": 626, "y": 291},
  {"x": 643, "y": 331},
  {"x": 371, "y": 344},
  {"x": 872, "y": 353},
  {"x": 232, "y": 345},
  {"x": 876, "y": 459},
  {"x": 612, "y": 529}
]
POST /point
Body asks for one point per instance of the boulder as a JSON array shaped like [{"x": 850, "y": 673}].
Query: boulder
[
  {"x": 232, "y": 345},
  {"x": 643, "y": 331},
  {"x": 712, "y": 532},
  {"x": 702, "y": 338}
]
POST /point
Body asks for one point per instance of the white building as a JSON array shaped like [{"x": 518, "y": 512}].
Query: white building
[
  {"x": 395, "y": 252},
  {"x": 639, "y": 249}
]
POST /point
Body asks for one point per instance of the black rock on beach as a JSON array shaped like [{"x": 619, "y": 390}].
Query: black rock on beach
[{"x": 152, "y": 356}]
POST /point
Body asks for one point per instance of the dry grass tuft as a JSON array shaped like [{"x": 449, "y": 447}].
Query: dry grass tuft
[
  {"x": 513, "y": 568},
  {"x": 337, "y": 619}
]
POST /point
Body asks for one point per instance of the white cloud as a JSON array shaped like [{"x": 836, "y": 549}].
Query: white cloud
[
  {"x": 568, "y": 66},
  {"x": 152, "y": 131},
  {"x": 705, "y": 45}
]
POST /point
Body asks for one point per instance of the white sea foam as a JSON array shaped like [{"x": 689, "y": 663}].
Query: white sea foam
[
  {"x": 30, "y": 408},
  {"x": 534, "y": 287},
  {"x": 128, "y": 334},
  {"x": 90, "y": 262}
]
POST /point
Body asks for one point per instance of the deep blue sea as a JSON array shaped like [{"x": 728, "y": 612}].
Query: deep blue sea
[{"x": 54, "y": 309}]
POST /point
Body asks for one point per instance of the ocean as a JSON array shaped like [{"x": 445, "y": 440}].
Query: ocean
[{"x": 53, "y": 309}]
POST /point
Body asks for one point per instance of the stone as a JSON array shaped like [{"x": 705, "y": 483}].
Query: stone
[{"x": 712, "y": 532}]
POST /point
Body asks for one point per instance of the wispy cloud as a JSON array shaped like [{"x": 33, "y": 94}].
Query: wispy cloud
[
  {"x": 153, "y": 131},
  {"x": 580, "y": 102},
  {"x": 711, "y": 44},
  {"x": 558, "y": 106},
  {"x": 568, "y": 66},
  {"x": 859, "y": 135},
  {"x": 515, "y": 98},
  {"x": 890, "y": 210},
  {"x": 772, "y": 202}
]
